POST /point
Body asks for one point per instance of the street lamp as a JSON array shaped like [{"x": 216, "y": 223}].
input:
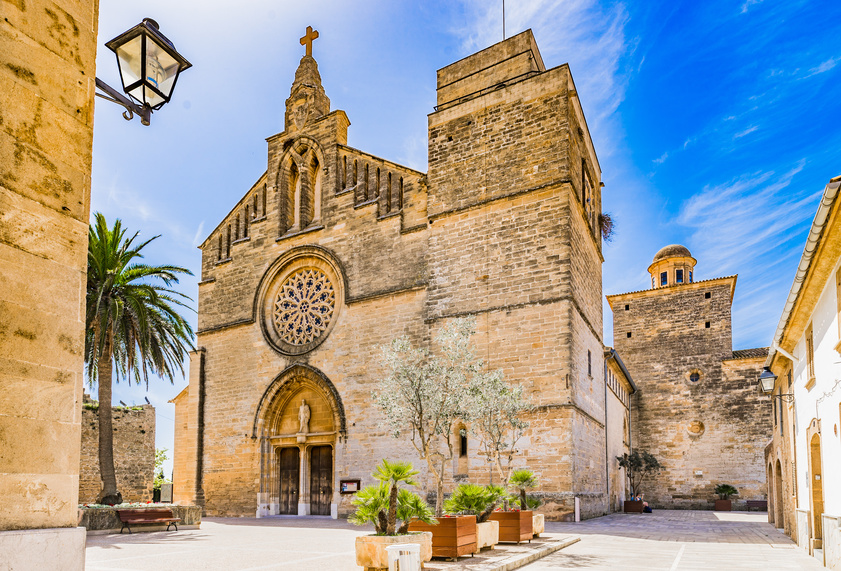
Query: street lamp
[
  {"x": 149, "y": 67},
  {"x": 767, "y": 379}
]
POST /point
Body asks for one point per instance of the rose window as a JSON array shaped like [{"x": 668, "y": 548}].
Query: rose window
[{"x": 304, "y": 306}]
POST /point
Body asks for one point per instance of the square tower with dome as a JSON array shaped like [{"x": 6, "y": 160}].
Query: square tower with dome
[{"x": 697, "y": 407}]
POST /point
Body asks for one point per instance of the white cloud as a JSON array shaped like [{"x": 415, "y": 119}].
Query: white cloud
[
  {"x": 661, "y": 159},
  {"x": 751, "y": 225},
  {"x": 823, "y": 67},
  {"x": 747, "y": 131},
  {"x": 748, "y": 3},
  {"x": 197, "y": 239}
]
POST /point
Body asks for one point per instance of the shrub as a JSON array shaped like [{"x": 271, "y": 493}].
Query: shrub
[
  {"x": 472, "y": 499},
  {"x": 724, "y": 491},
  {"x": 520, "y": 481}
]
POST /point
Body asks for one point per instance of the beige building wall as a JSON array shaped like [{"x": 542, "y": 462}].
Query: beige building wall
[
  {"x": 504, "y": 227},
  {"x": 47, "y": 70}
]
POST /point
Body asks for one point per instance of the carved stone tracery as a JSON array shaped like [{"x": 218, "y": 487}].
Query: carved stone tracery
[{"x": 304, "y": 306}]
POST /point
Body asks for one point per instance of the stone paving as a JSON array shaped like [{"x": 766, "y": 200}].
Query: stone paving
[
  {"x": 677, "y": 541},
  {"x": 667, "y": 540}
]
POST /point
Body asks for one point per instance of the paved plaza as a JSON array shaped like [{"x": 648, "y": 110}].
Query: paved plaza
[
  {"x": 664, "y": 540},
  {"x": 677, "y": 541}
]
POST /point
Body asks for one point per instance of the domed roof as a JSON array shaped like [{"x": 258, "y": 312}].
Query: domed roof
[{"x": 672, "y": 251}]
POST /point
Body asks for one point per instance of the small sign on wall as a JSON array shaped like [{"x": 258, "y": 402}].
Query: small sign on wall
[{"x": 350, "y": 486}]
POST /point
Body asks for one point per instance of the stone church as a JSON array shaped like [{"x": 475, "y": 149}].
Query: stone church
[
  {"x": 698, "y": 408},
  {"x": 334, "y": 252}
]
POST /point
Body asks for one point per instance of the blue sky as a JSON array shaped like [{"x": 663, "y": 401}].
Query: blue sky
[{"x": 715, "y": 122}]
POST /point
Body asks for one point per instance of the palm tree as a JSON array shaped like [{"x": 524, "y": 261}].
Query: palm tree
[
  {"x": 132, "y": 326},
  {"x": 394, "y": 473}
]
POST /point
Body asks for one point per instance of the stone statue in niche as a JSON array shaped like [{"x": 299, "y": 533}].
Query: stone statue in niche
[{"x": 303, "y": 418}]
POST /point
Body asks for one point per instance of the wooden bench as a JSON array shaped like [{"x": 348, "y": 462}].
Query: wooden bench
[
  {"x": 147, "y": 516},
  {"x": 762, "y": 505}
]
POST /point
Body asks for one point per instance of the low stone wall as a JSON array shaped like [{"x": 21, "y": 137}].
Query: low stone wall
[
  {"x": 832, "y": 542},
  {"x": 106, "y": 519},
  {"x": 803, "y": 528}
]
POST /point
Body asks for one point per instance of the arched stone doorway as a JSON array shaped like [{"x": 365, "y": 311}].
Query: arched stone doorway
[
  {"x": 816, "y": 486},
  {"x": 300, "y": 424},
  {"x": 779, "y": 516},
  {"x": 772, "y": 502}
]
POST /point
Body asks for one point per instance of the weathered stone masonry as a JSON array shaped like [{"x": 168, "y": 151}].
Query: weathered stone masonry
[
  {"x": 504, "y": 227},
  {"x": 697, "y": 405},
  {"x": 134, "y": 452}
]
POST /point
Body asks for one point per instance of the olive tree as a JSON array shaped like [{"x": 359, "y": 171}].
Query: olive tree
[{"x": 423, "y": 394}]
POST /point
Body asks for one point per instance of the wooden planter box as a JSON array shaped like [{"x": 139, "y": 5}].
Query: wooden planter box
[
  {"x": 372, "y": 556},
  {"x": 514, "y": 526},
  {"x": 723, "y": 505},
  {"x": 633, "y": 506},
  {"x": 452, "y": 537}
]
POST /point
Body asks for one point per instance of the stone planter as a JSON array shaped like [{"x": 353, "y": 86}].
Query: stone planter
[
  {"x": 537, "y": 524},
  {"x": 452, "y": 537},
  {"x": 515, "y": 526},
  {"x": 105, "y": 520},
  {"x": 723, "y": 505},
  {"x": 487, "y": 534},
  {"x": 372, "y": 556},
  {"x": 633, "y": 506}
]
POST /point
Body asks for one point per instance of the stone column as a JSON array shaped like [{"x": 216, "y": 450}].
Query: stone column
[{"x": 47, "y": 71}]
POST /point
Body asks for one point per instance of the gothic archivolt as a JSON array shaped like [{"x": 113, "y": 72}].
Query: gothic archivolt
[{"x": 299, "y": 302}]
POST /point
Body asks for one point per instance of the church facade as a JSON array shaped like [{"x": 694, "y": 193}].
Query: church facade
[{"x": 334, "y": 252}]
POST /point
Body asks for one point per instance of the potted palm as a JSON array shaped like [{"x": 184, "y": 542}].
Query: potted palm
[
  {"x": 479, "y": 501},
  {"x": 384, "y": 505},
  {"x": 517, "y": 524},
  {"x": 638, "y": 466},
  {"x": 724, "y": 491}
]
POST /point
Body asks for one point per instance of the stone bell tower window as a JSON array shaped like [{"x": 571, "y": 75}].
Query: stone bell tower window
[
  {"x": 664, "y": 278},
  {"x": 678, "y": 276}
]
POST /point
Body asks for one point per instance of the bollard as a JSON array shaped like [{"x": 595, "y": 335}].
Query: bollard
[{"x": 404, "y": 557}]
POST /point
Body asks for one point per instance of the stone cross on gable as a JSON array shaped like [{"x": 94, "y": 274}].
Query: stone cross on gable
[{"x": 308, "y": 39}]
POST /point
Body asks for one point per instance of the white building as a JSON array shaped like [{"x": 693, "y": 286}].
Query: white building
[{"x": 804, "y": 458}]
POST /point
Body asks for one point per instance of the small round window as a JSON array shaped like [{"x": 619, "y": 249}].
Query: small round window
[{"x": 694, "y": 377}]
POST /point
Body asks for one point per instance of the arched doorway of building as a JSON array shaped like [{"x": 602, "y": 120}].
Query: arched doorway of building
[
  {"x": 779, "y": 502},
  {"x": 298, "y": 423},
  {"x": 816, "y": 485},
  {"x": 769, "y": 475}
]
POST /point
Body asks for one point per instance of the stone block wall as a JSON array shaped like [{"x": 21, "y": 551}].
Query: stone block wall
[
  {"x": 47, "y": 70},
  {"x": 705, "y": 432},
  {"x": 134, "y": 452}
]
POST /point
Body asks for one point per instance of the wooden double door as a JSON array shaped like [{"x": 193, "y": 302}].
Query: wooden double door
[{"x": 321, "y": 479}]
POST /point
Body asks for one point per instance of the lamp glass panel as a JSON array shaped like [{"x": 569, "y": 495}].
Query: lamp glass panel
[
  {"x": 767, "y": 383},
  {"x": 161, "y": 71},
  {"x": 129, "y": 58}
]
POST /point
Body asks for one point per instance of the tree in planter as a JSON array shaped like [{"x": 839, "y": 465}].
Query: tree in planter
[
  {"x": 386, "y": 503},
  {"x": 493, "y": 410},
  {"x": 426, "y": 393},
  {"x": 133, "y": 327},
  {"x": 724, "y": 491},
  {"x": 472, "y": 499},
  {"x": 638, "y": 466},
  {"x": 521, "y": 480}
]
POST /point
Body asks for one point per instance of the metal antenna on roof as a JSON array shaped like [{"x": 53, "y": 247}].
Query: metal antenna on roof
[{"x": 503, "y": 19}]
